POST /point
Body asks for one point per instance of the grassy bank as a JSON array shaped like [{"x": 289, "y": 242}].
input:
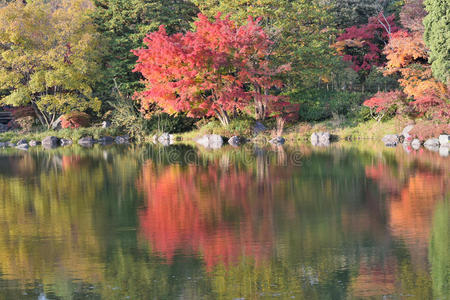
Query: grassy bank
[
  {"x": 73, "y": 134},
  {"x": 242, "y": 127},
  {"x": 302, "y": 131}
]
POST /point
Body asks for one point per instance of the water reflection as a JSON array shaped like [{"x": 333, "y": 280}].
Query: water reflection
[{"x": 255, "y": 222}]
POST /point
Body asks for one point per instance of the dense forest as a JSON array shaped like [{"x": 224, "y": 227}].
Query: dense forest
[{"x": 175, "y": 65}]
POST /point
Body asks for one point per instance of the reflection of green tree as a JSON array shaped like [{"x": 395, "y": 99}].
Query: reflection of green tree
[
  {"x": 439, "y": 253},
  {"x": 57, "y": 223}
]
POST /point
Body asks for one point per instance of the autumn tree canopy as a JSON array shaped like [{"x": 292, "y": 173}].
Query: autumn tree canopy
[
  {"x": 218, "y": 69},
  {"x": 48, "y": 57}
]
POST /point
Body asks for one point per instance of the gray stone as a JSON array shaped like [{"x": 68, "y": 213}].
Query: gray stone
[
  {"x": 124, "y": 139},
  {"x": 212, "y": 141},
  {"x": 106, "y": 124},
  {"x": 415, "y": 144},
  {"x": 405, "y": 133},
  {"x": 320, "y": 138},
  {"x": 277, "y": 141},
  {"x": 106, "y": 140},
  {"x": 444, "y": 140},
  {"x": 443, "y": 151},
  {"x": 65, "y": 142},
  {"x": 258, "y": 128},
  {"x": 432, "y": 144},
  {"x": 33, "y": 143},
  {"x": 10, "y": 144},
  {"x": 237, "y": 141},
  {"x": 22, "y": 146},
  {"x": 50, "y": 142},
  {"x": 86, "y": 141},
  {"x": 390, "y": 140},
  {"x": 21, "y": 142}
]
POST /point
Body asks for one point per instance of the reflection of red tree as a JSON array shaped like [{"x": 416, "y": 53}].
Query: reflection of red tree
[
  {"x": 70, "y": 161},
  {"x": 411, "y": 203},
  {"x": 205, "y": 210}
]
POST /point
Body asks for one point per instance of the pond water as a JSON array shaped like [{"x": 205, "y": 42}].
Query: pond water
[{"x": 345, "y": 222}]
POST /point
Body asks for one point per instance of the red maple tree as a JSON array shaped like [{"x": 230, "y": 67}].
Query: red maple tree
[
  {"x": 218, "y": 69},
  {"x": 363, "y": 45}
]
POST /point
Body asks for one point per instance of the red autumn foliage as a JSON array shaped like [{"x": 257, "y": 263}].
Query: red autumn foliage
[
  {"x": 211, "y": 215},
  {"x": 383, "y": 101},
  {"x": 75, "y": 120},
  {"x": 21, "y": 112},
  {"x": 217, "y": 69},
  {"x": 363, "y": 45}
]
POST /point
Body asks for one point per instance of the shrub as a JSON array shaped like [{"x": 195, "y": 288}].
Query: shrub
[
  {"x": 164, "y": 122},
  {"x": 75, "y": 119},
  {"x": 425, "y": 131},
  {"x": 385, "y": 105},
  {"x": 25, "y": 123}
]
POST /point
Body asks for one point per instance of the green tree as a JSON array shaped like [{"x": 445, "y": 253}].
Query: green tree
[
  {"x": 123, "y": 25},
  {"x": 437, "y": 37},
  {"x": 300, "y": 30},
  {"x": 48, "y": 57}
]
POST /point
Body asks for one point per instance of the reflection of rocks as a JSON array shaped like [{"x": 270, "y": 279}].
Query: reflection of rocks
[
  {"x": 415, "y": 144},
  {"x": 22, "y": 146},
  {"x": 164, "y": 139},
  {"x": 50, "y": 142},
  {"x": 237, "y": 141},
  {"x": 65, "y": 142},
  {"x": 407, "y": 147},
  {"x": 390, "y": 140},
  {"x": 86, "y": 141},
  {"x": 320, "y": 139},
  {"x": 432, "y": 144},
  {"x": 212, "y": 141},
  {"x": 277, "y": 141},
  {"x": 443, "y": 151},
  {"x": 124, "y": 139},
  {"x": 106, "y": 140}
]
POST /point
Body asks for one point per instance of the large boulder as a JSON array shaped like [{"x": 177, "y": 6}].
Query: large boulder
[
  {"x": 277, "y": 141},
  {"x": 405, "y": 133},
  {"x": 50, "y": 142},
  {"x": 320, "y": 138},
  {"x": 390, "y": 140},
  {"x": 415, "y": 144},
  {"x": 86, "y": 141},
  {"x": 237, "y": 141},
  {"x": 258, "y": 128},
  {"x": 432, "y": 144},
  {"x": 33, "y": 143},
  {"x": 212, "y": 141},
  {"x": 166, "y": 139},
  {"x": 444, "y": 140},
  {"x": 22, "y": 142}
]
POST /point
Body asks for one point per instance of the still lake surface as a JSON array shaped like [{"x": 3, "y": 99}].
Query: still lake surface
[{"x": 345, "y": 222}]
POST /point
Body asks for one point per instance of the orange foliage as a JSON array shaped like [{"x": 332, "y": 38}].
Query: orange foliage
[{"x": 185, "y": 212}]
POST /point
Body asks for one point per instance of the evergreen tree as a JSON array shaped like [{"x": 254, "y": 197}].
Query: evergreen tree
[
  {"x": 123, "y": 25},
  {"x": 437, "y": 37}
]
